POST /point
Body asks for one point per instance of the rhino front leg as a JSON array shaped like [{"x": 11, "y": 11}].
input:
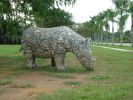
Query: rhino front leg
[
  {"x": 29, "y": 58},
  {"x": 59, "y": 61}
]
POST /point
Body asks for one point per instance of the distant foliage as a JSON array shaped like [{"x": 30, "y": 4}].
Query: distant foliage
[
  {"x": 101, "y": 27},
  {"x": 54, "y": 17},
  {"x": 18, "y": 14}
]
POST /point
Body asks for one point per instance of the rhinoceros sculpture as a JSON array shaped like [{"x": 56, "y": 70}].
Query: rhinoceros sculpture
[{"x": 54, "y": 43}]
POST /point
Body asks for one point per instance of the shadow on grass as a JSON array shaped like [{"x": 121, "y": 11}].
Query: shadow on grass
[
  {"x": 17, "y": 65},
  {"x": 72, "y": 83},
  {"x": 10, "y": 61},
  {"x": 5, "y": 81},
  {"x": 68, "y": 73},
  {"x": 76, "y": 69}
]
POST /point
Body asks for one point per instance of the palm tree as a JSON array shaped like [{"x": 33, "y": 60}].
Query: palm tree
[
  {"x": 106, "y": 24},
  {"x": 95, "y": 27},
  {"x": 101, "y": 23},
  {"x": 122, "y": 7},
  {"x": 112, "y": 15},
  {"x": 131, "y": 11}
]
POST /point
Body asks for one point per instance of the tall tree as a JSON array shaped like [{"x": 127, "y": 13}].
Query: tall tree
[
  {"x": 122, "y": 7},
  {"x": 101, "y": 23},
  {"x": 131, "y": 11},
  {"x": 16, "y": 14},
  {"x": 111, "y": 16},
  {"x": 106, "y": 24},
  {"x": 54, "y": 17},
  {"x": 98, "y": 24},
  {"x": 93, "y": 26}
]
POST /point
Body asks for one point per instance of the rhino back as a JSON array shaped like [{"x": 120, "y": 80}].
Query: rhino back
[{"x": 50, "y": 38}]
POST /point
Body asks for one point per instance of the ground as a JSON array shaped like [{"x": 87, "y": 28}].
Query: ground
[{"x": 111, "y": 78}]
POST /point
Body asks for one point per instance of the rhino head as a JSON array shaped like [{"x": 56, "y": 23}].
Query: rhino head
[{"x": 84, "y": 54}]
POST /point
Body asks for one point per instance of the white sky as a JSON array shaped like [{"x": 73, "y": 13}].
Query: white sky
[{"x": 83, "y": 9}]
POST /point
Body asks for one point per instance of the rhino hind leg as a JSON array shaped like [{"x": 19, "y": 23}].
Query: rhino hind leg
[
  {"x": 53, "y": 65},
  {"x": 34, "y": 62},
  {"x": 59, "y": 61}
]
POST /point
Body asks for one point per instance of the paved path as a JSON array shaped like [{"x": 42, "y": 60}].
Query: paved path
[
  {"x": 124, "y": 44},
  {"x": 114, "y": 48}
]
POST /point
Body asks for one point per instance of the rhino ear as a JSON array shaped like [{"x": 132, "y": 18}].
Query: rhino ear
[{"x": 88, "y": 40}]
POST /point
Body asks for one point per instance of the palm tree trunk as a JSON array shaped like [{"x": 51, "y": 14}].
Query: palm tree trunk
[
  {"x": 101, "y": 38},
  {"x": 121, "y": 30},
  {"x": 132, "y": 32},
  {"x": 107, "y": 40},
  {"x": 98, "y": 38},
  {"x": 94, "y": 38},
  {"x": 112, "y": 38},
  {"x": 121, "y": 38},
  {"x": 112, "y": 33}
]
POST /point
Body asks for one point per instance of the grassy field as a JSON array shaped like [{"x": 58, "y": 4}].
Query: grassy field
[
  {"x": 112, "y": 78},
  {"x": 117, "y": 46},
  {"x": 115, "y": 82}
]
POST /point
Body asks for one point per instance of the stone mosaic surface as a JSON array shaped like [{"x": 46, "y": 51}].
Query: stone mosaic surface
[{"x": 54, "y": 43}]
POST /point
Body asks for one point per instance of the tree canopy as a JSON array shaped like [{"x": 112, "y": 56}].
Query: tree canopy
[{"x": 17, "y": 14}]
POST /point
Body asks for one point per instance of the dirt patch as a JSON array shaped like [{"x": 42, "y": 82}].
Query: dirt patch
[
  {"x": 4, "y": 61},
  {"x": 37, "y": 83}
]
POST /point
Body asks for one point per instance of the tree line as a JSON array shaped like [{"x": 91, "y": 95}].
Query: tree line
[
  {"x": 16, "y": 15},
  {"x": 101, "y": 27}
]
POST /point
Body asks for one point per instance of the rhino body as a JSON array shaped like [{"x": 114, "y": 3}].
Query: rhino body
[{"x": 54, "y": 43}]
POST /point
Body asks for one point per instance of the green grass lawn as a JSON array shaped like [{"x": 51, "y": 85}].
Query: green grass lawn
[
  {"x": 112, "y": 78},
  {"x": 116, "y": 46},
  {"x": 113, "y": 82},
  {"x": 9, "y": 49}
]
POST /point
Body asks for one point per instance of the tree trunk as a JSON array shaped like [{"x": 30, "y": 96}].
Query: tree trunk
[
  {"x": 107, "y": 39},
  {"x": 132, "y": 32},
  {"x": 101, "y": 38},
  {"x": 121, "y": 38},
  {"x": 112, "y": 33},
  {"x": 98, "y": 38},
  {"x": 94, "y": 38},
  {"x": 121, "y": 30}
]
